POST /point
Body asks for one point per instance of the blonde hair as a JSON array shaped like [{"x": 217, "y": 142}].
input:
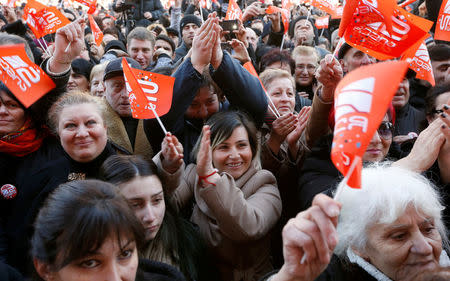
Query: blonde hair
[
  {"x": 69, "y": 99},
  {"x": 269, "y": 75},
  {"x": 152, "y": 26},
  {"x": 305, "y": 51},
  {"x": 98, "y": 68}
]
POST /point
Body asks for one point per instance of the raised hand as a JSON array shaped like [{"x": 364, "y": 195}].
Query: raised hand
[
  {"x": 64, "y": 54},
  {"x": 204, "y": 156},
  {"x": 329, "y": 73},
  {"x": 293, "y": 137},
  {"x": 240, "y": 51},
  {"x": 252, "y": 11},
  {"x": 311, "y": 233},
  {"x": 217, "y": 53},
  {"x": 281, "y": 128},
  {"x": 203, "y": 44},
  {"x": 172, "y": 153}
]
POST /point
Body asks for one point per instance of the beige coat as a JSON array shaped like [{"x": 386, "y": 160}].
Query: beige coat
[
  {"x": 235, "y": 217},
  {"x": 118, "y": 134}
]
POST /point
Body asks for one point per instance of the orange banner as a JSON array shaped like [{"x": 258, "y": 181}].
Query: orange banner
[
  {"x": 96, "y": 32},
  {"x": 375, "y": 40},
  {"x": 147, "y": 89},
  {"x": 233, "y": 11},
  {"x": 24, "y": 79},
  {"x": 92, "y": 5},
  {"x": 322, "y": 22},
  {"x": 361, "y": 101},
  {"x": 284, "y": 15},
  {"x": 419, "y": 61},
  {"x": 442, "y": 31},
  {"x": 31, "y": 8},
  {"x": 327, "y": 6}
]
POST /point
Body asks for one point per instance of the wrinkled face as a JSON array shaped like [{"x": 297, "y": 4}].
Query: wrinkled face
[
  {"x": 380, "y": 143},
  {"x": 162, "y": 44},
  {"x": 141, "y": 51},
  {"x": 442, "y": 99},
  {"x": 77, "y": 82},
  {"x": 111, "y": 262},
  {"x": 117, "y": 96},
  {"x": 303, "y": 33},
  {"x": 257, "y": 24},
  {"x": 401, "y": 97},
  {"x": 409, "y": 244},
  {"x": 282, "y": 93},
  {"x": 188, "y": 33},
  {"x": 205, "y": 104},
  {"x": 305, "y": 66},
  {"x": 107, "y": 23},
  {"x": 82, "y": 132},
  {"x": 97, "y": 87},
  {"x": 279, "y": 65},
  {"x": 441, "y": 71},
  {"x": 252, "y": 38},
  {"x": 12, "y": 115},
  {"x": 234, "y": 155},
  {"x": 146, "y": 198},
  {"x": 355, "y": 58}
]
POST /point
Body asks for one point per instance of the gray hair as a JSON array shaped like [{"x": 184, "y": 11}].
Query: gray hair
[{"x": 385, "y": 194}]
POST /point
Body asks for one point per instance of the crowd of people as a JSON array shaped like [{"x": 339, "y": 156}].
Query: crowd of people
[{"x": 241, "y": 187}]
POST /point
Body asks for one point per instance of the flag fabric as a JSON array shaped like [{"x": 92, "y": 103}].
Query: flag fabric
[
  {"x": 286, "y": 4},
  {"x": 419, "y": 61},
  {"x": 322, "y": 22},
  {"x": 233, "y": 11},
  {"x": 442, "y": 31},
  {"x": 91, "y": 4},
  {"x": 31, "y": 8},
  {"x": 11, "y": 3},
  {"x": 27, "y": 81},
  {"x": 338, "y": 12},
  {"x": 147, "y": 89},
  {"x": 374, "y": 39},
  {"x": 328, "y": 6},
  {"x": 96, "y": 32},
  {"x": 284, "y": 15},
  {"x": 367, "y": 11},
  {"x": 361, "y": 101},
  {"x": 43, "y": 20}
]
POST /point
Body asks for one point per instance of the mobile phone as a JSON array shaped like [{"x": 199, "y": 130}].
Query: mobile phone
[{"x": 230, "y": 26}]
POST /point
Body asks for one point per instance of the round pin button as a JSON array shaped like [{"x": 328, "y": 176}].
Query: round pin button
[{"x": 8, "y": 191}]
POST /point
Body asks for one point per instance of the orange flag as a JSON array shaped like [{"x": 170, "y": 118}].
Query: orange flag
[
  {"x": 284, "y": 15},
  {"x": 147, "y": 89},
  {"x": 96, "y": 32},
  {"x": 24, "y": 79},
  {"x": 442, "y": 31},
  {"x": 338, "y": 12},
  {"x": 233, "y": 11},
  {"x": 361, "y": 100},
  {"x": 31, "y": 8},
  {"x": 322, "y": 22},
  {"x": 374, "y": 39},
  {"x": 91, "y": 4},
  {"x": 420, "y": 62},
  {"x": 327, "y": 6},
  {"x": 46, "y": 20},
  {"x": 367, "y": 11},
  {"x": 286, "y": 4}
]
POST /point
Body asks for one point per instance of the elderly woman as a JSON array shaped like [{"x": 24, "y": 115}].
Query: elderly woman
[{"x": 390, "y": 229}]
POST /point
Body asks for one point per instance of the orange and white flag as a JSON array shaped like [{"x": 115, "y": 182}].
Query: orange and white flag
[
  {"x": 361, "y": 101},
  {"x": 322, "y": 22},
  {"x": 375, "y": 40},
  {"x": 419, "y": 61},
  {"x": 328, "y": 6},
  {"x": 27, "y": 81},
  {"x": 91, "y": 4},
  {"x": 96, "y": 32},
  {"x": 442, "y": 31},
  {"x": 147, "y": 90},
  {"x": 285, "y": 15},
  {"x": 233, "y": 11}
]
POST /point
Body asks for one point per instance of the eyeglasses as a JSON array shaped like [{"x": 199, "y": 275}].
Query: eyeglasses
[
  {"x": 386, "y": 130},
  {"x": 308, "y": 67}
]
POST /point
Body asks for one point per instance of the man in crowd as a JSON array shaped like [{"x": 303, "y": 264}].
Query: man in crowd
[
  {"x": 140, "y": 44},
  {"x": 188, "y": 26},
  {"x": 440, "y": 61}
]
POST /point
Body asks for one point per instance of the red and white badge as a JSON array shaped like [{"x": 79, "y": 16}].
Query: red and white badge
[{"x": 8, "y": 191}]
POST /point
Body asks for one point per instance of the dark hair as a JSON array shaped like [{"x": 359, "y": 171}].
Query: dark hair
[
  {"x": 111, "y": 30},
  {"x": 431, "y": 96},
  {"x": 439, "y": 52},
  {"x": 275, "y": 55},
  {"x": 222, "y": 125},
  {"x": 77, "y": 218},
  {"x": 177, "y": 237},
  {"x": 167, "y": 39}
]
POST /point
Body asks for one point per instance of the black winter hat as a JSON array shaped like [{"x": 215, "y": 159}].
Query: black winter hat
[
  {"x": 115, "y": 44},
  {"x": 83, "y": 67},
  {"x": 190, "y": 19},
  {"x": 114, "y": 67}
]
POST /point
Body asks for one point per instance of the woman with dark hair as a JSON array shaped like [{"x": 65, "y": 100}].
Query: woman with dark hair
[
  {"x": 86, "y": 231},
  {"x": 237, "y": 203},
  {"x": 168, "y": 238}
]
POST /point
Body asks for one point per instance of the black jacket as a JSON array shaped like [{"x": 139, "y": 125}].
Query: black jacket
[{"x": 156, "y": 271}]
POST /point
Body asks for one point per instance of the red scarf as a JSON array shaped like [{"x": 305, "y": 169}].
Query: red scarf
[{"x": 22, "y": 142}]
